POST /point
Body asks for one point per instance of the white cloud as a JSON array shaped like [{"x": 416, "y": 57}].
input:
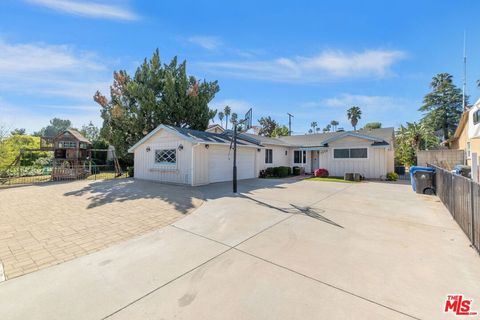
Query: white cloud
[
  {"x": 326, "y": 66},
  {"x": 88, "y": 9},
  {"x": 206, "y": 42},
  {"x": 389, "y": 110},
  {"x": 51, "y": 70}
]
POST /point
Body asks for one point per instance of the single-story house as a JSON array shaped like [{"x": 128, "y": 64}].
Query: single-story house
[
  {"x": 467, "y": 134},
  {"x": 180, "y": 155}
]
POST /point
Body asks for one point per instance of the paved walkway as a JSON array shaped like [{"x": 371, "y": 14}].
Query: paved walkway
[
  {"x": 280, "y": 250},
  {"x": 48, "y": 224}
]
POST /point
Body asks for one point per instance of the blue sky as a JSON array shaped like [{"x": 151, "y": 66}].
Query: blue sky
[{"x": 314, "y": 59}]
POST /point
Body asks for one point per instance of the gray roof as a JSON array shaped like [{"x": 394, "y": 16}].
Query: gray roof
[
  {"x": 319, "y": 139},
  {"x": 206, "y": 137},
  {"x": 263, "y": 140},
  {"x": 382, "y": 136}
]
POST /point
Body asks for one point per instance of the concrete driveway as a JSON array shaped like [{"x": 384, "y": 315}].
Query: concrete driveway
[{"x": 282, "y": 249}]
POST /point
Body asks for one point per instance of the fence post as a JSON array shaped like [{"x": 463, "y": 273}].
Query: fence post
[{"x": 472, "y": 213}]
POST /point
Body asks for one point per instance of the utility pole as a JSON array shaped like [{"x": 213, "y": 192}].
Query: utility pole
[
  {"x": 464, "y": 71},
  {"x": 290, "y": 123}
]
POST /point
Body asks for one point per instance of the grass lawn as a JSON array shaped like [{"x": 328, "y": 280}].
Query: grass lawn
[{"x": 329, "y": 179}]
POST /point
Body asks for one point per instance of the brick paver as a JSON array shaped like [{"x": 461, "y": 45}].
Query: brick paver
[{"x": 41, "y": 226}]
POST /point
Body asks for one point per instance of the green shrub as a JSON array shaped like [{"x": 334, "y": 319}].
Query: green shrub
[
  {"x": 130, "y": 171},
  {"x": 296, "y": 171},
  {"x": 392, "y": 176},
  {"x": 269, "y": 172},
  {"x": 282, "y": 171}
]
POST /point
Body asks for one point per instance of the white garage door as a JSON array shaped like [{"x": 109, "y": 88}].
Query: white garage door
[{"x": 220, "y": 167}]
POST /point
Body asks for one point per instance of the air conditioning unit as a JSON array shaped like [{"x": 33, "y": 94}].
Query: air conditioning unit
[{"x": 352, "y": 176}]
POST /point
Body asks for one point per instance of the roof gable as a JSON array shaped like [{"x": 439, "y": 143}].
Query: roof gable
[{"x": 194, "y": 136}]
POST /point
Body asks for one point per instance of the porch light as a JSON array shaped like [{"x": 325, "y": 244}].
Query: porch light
[
  {"x": 207, "y": 146},
  {"x": 258, "y": 149},
  {"x": 180, "y": 147},
  {"x": 148, "y": 149}
]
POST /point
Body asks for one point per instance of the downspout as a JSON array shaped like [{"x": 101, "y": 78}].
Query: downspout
[{"x": 192, "y": 165}]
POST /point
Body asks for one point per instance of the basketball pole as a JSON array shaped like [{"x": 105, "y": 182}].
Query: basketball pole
[
  {"x": 235, "y": 157},
  {"x": 248, "y": 121}
]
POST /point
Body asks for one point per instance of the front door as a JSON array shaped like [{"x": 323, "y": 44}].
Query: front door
[{"x": 315, "y": 163}]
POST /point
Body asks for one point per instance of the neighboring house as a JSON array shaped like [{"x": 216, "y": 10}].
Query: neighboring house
[
  {"x": 215, "y": 128},
  {"x": 180, "y": 155},
  {"x": 467, "y": 135}
]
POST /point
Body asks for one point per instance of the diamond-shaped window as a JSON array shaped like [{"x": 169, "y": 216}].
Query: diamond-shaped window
[{"x": 166, "y": 156}]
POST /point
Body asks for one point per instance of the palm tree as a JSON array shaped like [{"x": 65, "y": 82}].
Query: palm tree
[
  {"x": 318, "y": 129},
  {"x": 233, "y": 118},
  {"x": 310, "y": 131},
  {"x": 334, "y": 124},
  {"x": 221, "y": 115},
  {"x": 354, "y": 114},
  {"x": 227, "y": 111},
  {"x": 313, "y": 125}
]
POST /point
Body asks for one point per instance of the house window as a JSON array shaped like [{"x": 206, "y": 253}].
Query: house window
[
  {"x": 358, "y": 153},
  {"x": 476, "y": 117},
  {"x": 67, "y": 144},
  {"x": 351, "y": 153},
  {"x": 166, "y": 156},
  {"x": 299, "y": 156},
  {"x": 83, "y": 145},
  {"x": 469, "y": 150},
  {"x": 268, "y": 156}
]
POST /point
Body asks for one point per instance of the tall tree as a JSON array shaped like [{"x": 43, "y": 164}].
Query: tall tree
[
  {"x": 327, "y": 128},
  {"x": 91, "y": 132},
  {"x": 372, "y": 125},
  {"x": 318, "y": 129},
  {"x": 233, "y": 118},
  {"x": 56, "y": 125},
  {"x": 354, "y": 114},
  {"x": 213, "y": 115},
  {"x": 220, "y": 116},
  {"x": 268, "y": 126},
  {"x": 227, "y": 110},
  {"x": 157, "y": 94},
  {"x": 280, "y": 131},
  {"x": 334, "y": 124},
  {"x": 411, "y": 138},
  {"x": 443, "y": 105},
  {"x": 18, "y": 132},
  {"x": 313, "y": 125}
]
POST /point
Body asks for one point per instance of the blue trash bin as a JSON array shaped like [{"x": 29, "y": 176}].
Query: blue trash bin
[{"x": 412, "y": 174}]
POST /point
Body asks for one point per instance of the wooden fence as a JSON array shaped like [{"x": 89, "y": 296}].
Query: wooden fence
[{"x": 461, "y": 196}]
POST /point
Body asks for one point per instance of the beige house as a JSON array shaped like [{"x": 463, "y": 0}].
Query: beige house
[
  {"x": 467, "y": 135},
  {"x": 181, "y": 155}
]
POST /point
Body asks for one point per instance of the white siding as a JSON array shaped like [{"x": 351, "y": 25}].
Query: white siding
[
  {"x": 279, "y": 157},
  {"x": 374, "y": 167},
  {"x": 146, "y": 168}
]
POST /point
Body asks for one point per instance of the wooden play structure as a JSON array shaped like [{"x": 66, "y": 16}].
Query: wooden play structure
[{"x": 72, "y": 157}]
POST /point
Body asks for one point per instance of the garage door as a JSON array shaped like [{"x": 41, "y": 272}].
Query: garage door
[{"x": 220, "y": 164}]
